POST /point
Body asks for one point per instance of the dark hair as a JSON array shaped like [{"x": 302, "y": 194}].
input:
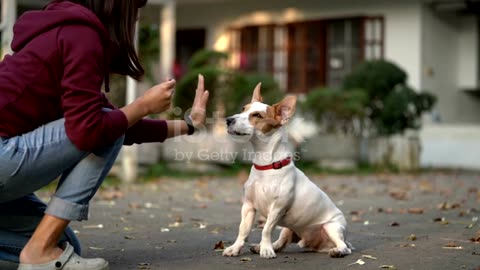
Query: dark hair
[{"x": 119, "y": 18}]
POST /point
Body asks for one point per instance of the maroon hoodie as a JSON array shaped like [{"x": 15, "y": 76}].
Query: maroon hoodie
[{"x": 57, "y": 71}]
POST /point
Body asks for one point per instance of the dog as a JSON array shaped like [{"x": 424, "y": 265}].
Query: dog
[{"x": 279, "y": 191}]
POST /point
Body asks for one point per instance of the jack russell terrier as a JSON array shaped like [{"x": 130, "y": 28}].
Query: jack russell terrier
[{"x": 281, "y": 192}]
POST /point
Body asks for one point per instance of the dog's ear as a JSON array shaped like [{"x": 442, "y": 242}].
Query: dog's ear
[
  {"x": 257, "y": 96},
  {"x": 285, "y": 109}
]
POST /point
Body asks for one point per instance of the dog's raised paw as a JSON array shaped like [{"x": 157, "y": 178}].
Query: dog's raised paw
[
  {"x": 231, "y": 251},
  {"x": 339, "y": 253},
  {"x": 255, "y": 249},
  {"x": 267, "y": 252}
]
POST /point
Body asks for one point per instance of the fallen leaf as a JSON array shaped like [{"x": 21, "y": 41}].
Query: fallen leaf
[
  {"x": 448, "y": 206},
  {"x": 476, "y": 238},
  {"x": 96, "y": 248},
  {"x": 441, "y": 220},
  {"x": 134, "y": 205},
  {"x": 359, "y": 262},
  {"x": 245, "y": 259},
  {"x": 368, "y": 257},
  {"x": 412, "y": 237},
  {"x": 408, "y": 245},
  {"x": 386, "y": 266},
  {"x": 356, "y": 218},
  {"x": 98, "y": 226},
  {"x": 164, "y": 229},
  {"x": 143, "y": 266},
  {"x": 452, "y": 245},
  {"x": 171, "y": 241},
  {"x": 394, "y": 224},
  {"x": 128, "y": 237},
  {"x": 415, "y": 210},
  {"x": 219, "y": 246},
  {"x": 399, "y": 195}
]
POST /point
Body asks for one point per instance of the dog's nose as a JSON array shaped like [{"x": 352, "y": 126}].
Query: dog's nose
[{"x": 230, "y": 120}]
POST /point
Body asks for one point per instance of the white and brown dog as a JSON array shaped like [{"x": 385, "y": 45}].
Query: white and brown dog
[{"x": 281, "y": 192}]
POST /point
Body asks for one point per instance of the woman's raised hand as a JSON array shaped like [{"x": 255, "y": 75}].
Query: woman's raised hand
[{"x": 199, "y": 107}]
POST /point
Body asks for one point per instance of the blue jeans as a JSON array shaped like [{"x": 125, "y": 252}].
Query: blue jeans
[{"x": 35, "y": 159}]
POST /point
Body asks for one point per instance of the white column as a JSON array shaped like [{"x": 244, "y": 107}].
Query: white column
[
  {"x": 167, "y": 38},
  {"x": 9, "y": 15},
  {"x": 130, "y": 153}
]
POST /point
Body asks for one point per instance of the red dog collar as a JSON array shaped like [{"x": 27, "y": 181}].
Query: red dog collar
[{"x": 276, "y": 165}]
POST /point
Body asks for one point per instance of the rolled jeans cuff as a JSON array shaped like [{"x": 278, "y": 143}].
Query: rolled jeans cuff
[{"x": 67, "y": 210}]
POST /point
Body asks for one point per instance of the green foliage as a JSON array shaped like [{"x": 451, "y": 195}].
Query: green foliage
[
  {"x": 334, "y": 109},
  {"x": 230, "y": 88},
  {"x": 238, "y": 91},
  {"x": 377, "y": 78},
  {"x": 148, "y": 47},
  {"x": 204, "y": 58},
  {"x": 373, "y": 96},
  {"x": 185, "y": 88},
  {"x": 392, "y": 106},
  {"x": 344, "y": 105}
]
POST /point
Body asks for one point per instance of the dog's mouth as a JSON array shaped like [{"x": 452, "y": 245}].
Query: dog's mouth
[{"x": 234, "y": 132}]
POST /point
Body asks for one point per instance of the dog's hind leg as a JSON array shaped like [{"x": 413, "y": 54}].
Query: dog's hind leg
[
  {"x": 286, "y": 237},
  {"x": 336, "y": 233}
]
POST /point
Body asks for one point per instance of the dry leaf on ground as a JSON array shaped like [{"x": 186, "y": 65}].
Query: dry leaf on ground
[
  {"x": 415, "y": 210},
  {"x": 219, "y": 246},
  {"x": 452, "y": 245},
  {"x": 359, "y": 262},
  {"x": 476, "y": 238},
  {"x": 386, "y": 266}
]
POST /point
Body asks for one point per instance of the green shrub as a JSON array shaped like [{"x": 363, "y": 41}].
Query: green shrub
[
  {"x": 230, "y": 88},
  {"x": 238, "y": 91},
  {"x": 392, "y": 106},
  {"x": 334, "y": 109}
]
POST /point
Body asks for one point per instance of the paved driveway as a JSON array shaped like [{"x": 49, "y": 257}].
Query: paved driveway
[{"x": 425, "y": 221}]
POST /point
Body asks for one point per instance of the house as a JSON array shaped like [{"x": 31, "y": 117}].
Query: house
[{"x": 307, "y": 43}]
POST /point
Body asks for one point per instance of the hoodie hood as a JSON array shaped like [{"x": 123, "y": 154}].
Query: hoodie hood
[{"x": 33, "y": 23}]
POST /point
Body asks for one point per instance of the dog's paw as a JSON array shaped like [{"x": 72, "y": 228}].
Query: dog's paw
[
  {"x": 339, "y": 252},
  {"x": 267, "y": 252},
  {"x": 255, "y": 249},
  {"x": 232, "y": 251}
]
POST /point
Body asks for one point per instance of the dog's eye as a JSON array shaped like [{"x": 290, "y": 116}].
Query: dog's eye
[
  {"x": 257, "y": 115},
  {"x": 243, "y": 108}
]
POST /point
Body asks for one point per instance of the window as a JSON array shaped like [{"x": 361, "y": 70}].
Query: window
[{"x": 305, "y": 55}]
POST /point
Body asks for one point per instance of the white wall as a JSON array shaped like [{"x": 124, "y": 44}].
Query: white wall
[
  {"x": 447, "y": 63},
  {"x": 402, "y": 22},
  {"x": 451, "y": 146},
  {"x": 468, "y": 53}
]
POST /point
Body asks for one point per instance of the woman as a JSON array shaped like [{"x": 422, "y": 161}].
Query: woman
[{"x": 54, "y": 121}]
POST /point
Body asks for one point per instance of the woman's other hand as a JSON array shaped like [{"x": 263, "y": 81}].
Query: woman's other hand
[{"x": 159, "y": 98}]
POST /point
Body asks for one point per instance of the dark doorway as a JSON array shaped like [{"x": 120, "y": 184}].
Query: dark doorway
[{"x": 188, "y": 41}]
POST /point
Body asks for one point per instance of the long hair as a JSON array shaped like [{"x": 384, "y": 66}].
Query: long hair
[{"x": 119, "y": 18}]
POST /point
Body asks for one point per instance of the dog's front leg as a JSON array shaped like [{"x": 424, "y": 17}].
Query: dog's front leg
[
  {"x": 248, "y": 217},
  {"x": 266, "y": 246}
]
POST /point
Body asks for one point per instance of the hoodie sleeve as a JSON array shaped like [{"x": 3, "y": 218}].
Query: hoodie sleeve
[
  {"x": 86, "y": 124},
  {"x": 144, "y": 131}
]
